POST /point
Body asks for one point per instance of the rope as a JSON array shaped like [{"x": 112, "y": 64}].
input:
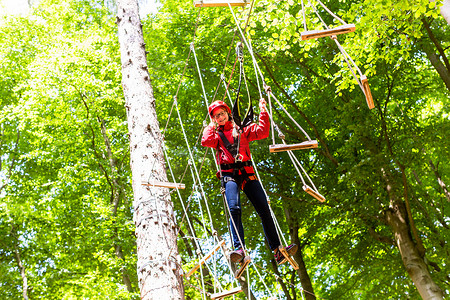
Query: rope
[
  {"x": 347, "y": 58},
  {"x": 195, "y": 173},
  {"x": 268, "y": 90},
  {"x": 318, "y": 15},
  {"x": 195, "y": 168}
]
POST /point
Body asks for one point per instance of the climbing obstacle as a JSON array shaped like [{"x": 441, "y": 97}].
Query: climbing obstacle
[
  {"x": 169, "y": 185},
  {"x": 285, "y": 147},
  {"x": 367, "y": 92},
  {"x": 224, "y": 294},
  {"x": 218, "y": 3},
  {"x": 245, "y": 261},
  {"x": 289, "y": 258},
  {"x": 313, "y": 193},
  {"x": 206, "y": 257},
  {"x": 314, "y": 34}
]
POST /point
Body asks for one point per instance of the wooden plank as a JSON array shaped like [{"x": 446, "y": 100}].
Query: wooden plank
[
  {"x": 367, "y": 92},
  {"x": 289, "y": 258},
  {"x": 313, "y": 193},
  {"x": 303, "y": 145},
  {"x": 169, "y": 185},
  {"x": 226, "y": 293},
  {"x": 219, "y": 3},
  {"x": 244, "y": 265},
  {"x": 203, "y": 260},
  {"x": 314, "y": 34}
]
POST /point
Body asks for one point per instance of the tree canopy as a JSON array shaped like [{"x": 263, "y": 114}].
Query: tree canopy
[{"x": 65, "y": 182}]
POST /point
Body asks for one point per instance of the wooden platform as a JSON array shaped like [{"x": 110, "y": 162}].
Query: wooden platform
[
  {"x": 367, "y": 92},
  {"x": 314, "y": 34},
  {"x": 313, "y": 193},
  {"x": 289, "y": 258},
  {"x": 203, "y": 260},
  {"x": 303, "y": 145},
  {"x": 216, "y": 3},
  {"x": 226, "y": 293},
  {"x": 244, "y": 265},
  {"x": 169, "y": 185}
]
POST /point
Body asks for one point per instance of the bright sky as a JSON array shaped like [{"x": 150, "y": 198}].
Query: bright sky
[
  {"x": 21, "y": 7},
  {"x": 13, "y": 7}
]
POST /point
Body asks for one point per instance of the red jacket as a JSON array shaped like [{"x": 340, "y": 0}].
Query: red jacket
[{"x": 251, "y": 133}]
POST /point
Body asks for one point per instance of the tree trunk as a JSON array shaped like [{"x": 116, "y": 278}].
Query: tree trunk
[
  {"x": 414, "y": 263},
  {"x": 23, "y": 273},
  {"x": 20, "y": 265},
  {"x": 159, "y": 271},
  {"x": 302, "y": 272},
  {"x": 439, "y": 60},
  {"x": 445, "y": 10},
  {"x": 440, "y": 181},
  {"x": 117, "y": 191}
]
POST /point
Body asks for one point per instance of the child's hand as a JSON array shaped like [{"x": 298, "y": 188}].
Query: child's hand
[{"x": 262, "y": 105}]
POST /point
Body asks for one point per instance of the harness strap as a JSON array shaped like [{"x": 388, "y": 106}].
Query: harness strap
[
  {"x": 246, "y": 180},
  {"x": 232, "y": 148},
  {"x": 236, "y": 165},
  {"x": 241, "y": 181}
]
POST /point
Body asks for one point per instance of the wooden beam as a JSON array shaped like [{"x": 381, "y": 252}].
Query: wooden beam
[
  {"x": 288, "y": 257},
  {"x": 314, "y": 34},
  {"x": 313, "y": 193},
  {"x": 244, "y": 265},
  {"x": 217, "y": 3},
  {"x": 226, "y": 293},
  {"x": 203, "y": 260},
  {"x": 367, "y": 92},
  {"x": 169, "y": 185},
  {"x": 303, "y": 145}
]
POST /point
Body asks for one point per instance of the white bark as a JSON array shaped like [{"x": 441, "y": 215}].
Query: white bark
[
  {"x": 159, "y": 273},
  {"x": 445, "y": 10}
]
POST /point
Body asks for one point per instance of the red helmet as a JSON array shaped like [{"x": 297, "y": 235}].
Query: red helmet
[{"x": 218, "y": 104}]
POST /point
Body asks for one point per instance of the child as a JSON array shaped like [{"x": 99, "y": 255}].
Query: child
[{"x": 237, "y": 173}]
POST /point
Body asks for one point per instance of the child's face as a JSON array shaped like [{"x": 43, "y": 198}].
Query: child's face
[{"x": 221, "y": 116}]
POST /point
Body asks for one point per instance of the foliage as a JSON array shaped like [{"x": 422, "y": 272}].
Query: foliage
[{"x": 61, "y": 79}]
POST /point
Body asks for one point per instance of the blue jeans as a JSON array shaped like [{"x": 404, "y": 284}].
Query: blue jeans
[{"x": 255, "y": 193}]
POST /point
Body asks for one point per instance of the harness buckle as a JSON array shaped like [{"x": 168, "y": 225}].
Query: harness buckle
[{"x": 239, "y": 157}]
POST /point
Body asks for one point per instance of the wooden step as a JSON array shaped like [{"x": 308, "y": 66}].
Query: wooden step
[
  {"x": 289, "y": 258},
  {"x": 203, "y": 260},
  {"x": 314, "y": 34},
  {"x": 313, "y": 193},
  {"x": 169, "y": 185},
  {"x": 244, "y": 265},
  {"x": 226, "y": 293},
  {"x": 303, "y": 145},
  {"x": 367, "y": 92},
  {"x": 216, "y": 3}
]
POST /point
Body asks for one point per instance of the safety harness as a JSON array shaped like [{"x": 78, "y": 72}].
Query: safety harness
[
  {"x": 237, "y": 166},
  {"x": 248, "y": 118},
  {"x": 233, "y": 148}
]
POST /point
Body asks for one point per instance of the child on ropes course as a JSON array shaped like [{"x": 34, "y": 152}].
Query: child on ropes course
[{"x": 236, "y": 173}]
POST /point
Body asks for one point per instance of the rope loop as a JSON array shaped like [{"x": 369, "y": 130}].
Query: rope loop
[{"x": 240, "y": 51}]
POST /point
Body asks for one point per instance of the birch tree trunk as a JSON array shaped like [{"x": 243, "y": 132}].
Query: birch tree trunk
[
  {"x": 445, "y": 10},
  {"x": 159, "y": 272}
]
